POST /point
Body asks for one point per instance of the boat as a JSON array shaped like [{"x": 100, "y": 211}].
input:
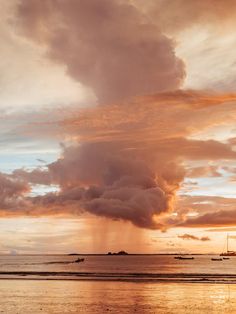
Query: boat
[
  {"x": 228, "y": 252},
  {"x": 79, "y": 260},
  {"x": 183, "y": 257},
  {"x": 217, "y": 259},
  {"x": 226, "y": 258}
]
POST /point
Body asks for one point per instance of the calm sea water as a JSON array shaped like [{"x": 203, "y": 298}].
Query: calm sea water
[
  {"x": 126, "y": 268},
  {"x": 116, "y": 284}
]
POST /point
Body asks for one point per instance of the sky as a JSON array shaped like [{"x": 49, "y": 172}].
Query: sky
[{"x": 117, "y": 126}]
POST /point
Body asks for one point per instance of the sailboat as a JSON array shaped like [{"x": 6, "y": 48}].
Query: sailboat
[{"x": 228, "y": 252}]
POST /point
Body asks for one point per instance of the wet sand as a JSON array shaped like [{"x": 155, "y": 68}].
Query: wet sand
[{"x": 63, "y": 296}]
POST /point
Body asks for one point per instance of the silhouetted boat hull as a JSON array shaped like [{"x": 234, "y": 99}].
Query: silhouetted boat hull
[
  {"x": 182, "y": 257},
  {"x": 79, "y": 260},
  {"x": 229, "y": 253},
  {"x": 217, "y": 259}
]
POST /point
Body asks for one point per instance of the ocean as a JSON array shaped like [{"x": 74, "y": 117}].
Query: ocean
[
  {"x": 149, "y": 268},
  {"x": 143, "y": 284}
]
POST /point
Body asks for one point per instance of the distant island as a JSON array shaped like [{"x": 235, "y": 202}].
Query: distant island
[
  {"x": 137, "y": 254},
  {"x": 118, "y": 253}
]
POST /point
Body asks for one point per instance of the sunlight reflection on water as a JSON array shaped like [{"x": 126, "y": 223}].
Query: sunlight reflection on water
[{"x": 30, "y": 296}]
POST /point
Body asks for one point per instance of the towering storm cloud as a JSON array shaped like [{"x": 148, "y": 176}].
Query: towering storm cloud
[
  {"x": 112, "y": 180},
  {"x": 109, "y": 46},
  {"x": 128, "y": 163},
  {"x": 130, "y": 152}
]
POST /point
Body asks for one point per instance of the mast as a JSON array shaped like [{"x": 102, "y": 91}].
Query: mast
[{"x": 227, "y": 242}]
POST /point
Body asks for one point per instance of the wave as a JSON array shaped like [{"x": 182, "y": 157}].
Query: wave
[{"x": 135, "y": 277}]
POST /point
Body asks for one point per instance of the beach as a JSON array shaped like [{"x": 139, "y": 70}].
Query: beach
[{"x": 71, "y": 296}]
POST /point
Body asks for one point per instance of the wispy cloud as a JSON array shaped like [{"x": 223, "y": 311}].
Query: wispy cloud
[{"x": 187, "y": 236}]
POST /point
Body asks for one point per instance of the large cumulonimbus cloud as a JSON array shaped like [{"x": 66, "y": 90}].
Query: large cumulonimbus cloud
[
  {"x": 128, "y": 158},
  {"x": 129, "y": 162},
  {"x": 111, "y": 181},
  {"x": 109, "y": 46}
]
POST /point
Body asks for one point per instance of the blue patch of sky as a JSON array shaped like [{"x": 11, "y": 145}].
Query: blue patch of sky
[
  {"x": 11, "y": 161},
  {"x": 40, "y": 189},
  {"x": 211, "y": 186}
]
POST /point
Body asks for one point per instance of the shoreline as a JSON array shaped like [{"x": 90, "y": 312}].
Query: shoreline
[
  {"x": 126, "y": 277},
  {"x": 106, "y": 254}
]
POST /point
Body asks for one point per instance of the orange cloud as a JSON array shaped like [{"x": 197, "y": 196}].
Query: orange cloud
[
  {"x": 187, "y": 236},
  {"x": 204, "y": 171},
  {"x": 148, "y": 118},
  {"x": 221, "y": 218},
  {"x": 129, "y": 160},
  {"x": 174, "y": 16}
]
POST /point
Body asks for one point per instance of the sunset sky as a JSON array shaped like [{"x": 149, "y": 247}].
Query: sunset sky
[{"x": 117, "y": 126}]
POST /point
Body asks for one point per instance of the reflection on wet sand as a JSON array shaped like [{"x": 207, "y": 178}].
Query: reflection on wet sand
[{"x": 35, "y": 296}]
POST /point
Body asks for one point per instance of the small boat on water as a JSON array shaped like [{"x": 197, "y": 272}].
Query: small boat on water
[
  {"x": 217, "y": 259},
  {"x": 183, "y": 257},
  {"x": 228, "y": 252},
  {"x": 226, "y": 258},
  {"x": 79, "y": 260}
]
